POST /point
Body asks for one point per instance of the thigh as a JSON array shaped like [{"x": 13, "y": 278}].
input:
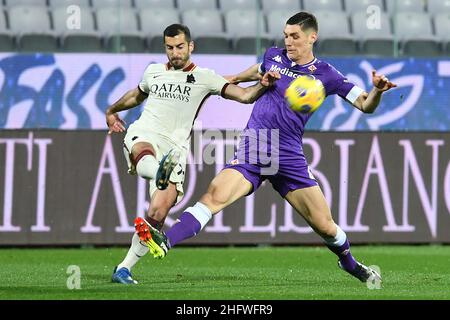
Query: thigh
[
  {"x": 310, "y": 203},
  {"x": 227, "y": 187}
]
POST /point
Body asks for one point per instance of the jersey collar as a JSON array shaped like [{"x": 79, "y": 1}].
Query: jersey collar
[{"x": 293, "y": 64}]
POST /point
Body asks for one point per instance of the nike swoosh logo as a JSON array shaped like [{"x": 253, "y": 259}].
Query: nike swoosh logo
[{"x": 157, "y": 76}]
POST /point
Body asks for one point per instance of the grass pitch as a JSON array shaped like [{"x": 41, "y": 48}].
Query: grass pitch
[{"x": 239, "y": 273}]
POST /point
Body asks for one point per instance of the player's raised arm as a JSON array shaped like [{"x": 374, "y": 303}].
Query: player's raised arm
[
  {"x": 250, "y": 74},
  {"x": 368, "y": 102},
  {"x": 129, "y": 100},
  {"x": 252, "y": 93}
]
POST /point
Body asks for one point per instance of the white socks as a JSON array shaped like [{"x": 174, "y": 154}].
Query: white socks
[
  {"x": 338, "y": 240},
  {"x": 137, "y": 250},
  {"x": 201, "y": 213},
  {"x": 147, "y": 167}
]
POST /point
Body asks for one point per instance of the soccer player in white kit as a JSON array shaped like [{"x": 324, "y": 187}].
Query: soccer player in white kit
[{"x": 157, "y": 144}]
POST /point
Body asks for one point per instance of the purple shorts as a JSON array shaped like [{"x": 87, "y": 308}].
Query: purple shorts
[
  {"x": 268, "y": 155},
  {"x": 286, "y": 179}
]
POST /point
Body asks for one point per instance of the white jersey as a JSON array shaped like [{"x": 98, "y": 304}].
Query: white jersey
[{"x": 175, "y": 98}]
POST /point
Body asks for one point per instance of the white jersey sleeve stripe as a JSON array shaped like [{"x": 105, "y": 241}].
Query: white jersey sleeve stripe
[
  {"x": 354, "y": 94},
  {"x": 259, "y": 69}
]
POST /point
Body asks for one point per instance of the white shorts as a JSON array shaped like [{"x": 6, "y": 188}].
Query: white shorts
[{"x": 162, "y": 146}]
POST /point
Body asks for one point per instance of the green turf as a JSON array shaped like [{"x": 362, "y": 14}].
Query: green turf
[{"x": 409, "y": 272}]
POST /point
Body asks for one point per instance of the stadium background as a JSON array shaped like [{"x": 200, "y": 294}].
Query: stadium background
[{"x": 63, "y": 180}]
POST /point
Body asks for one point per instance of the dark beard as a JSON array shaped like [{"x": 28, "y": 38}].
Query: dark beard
[{"x": 178, "y": 67}]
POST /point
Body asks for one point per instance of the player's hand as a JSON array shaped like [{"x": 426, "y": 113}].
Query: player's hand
[
  {"x": 115, "y": 124},
  {"x": 381, "y": 82},
  {"x": 269, "y": 78}
]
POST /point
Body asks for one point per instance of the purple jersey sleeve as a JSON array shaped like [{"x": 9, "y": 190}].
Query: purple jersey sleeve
[{"x": 341, "y": 86}]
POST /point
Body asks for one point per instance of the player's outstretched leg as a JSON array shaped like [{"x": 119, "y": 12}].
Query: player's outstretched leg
[
  {"x": 228, "y": 186},
  {"x": 166, "y": 166}
]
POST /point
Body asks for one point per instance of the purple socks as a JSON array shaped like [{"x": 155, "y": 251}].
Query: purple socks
[
  {"x": 345, "y": 257},
  {"x": 185, "y": 229}
]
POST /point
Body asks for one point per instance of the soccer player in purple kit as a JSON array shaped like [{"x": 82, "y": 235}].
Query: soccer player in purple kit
[{"x": 292, "y": 179}]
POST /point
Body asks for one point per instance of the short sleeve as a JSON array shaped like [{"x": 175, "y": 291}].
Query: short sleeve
[
  {"x": 217, "y": 83},
  {"x": 143, "y": 85},
  {"x": 343, "y": 87}
]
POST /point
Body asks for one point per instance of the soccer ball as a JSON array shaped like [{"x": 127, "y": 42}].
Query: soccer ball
[{"x": 305, "y": 94}]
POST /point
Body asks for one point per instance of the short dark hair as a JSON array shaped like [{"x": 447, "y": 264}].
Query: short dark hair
[
  {"x": 176, "y": 29},
  {"x": 305, "y": 20}
]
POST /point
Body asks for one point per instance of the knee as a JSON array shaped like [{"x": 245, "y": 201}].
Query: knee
[
  {"x": 215, "y": 197},
  {"x": 141, "y": 150}
]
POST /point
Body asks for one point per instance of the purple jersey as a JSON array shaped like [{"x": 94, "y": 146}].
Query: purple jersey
[
  {"x": 272, "y": 110},
  {"x": 271, "y": 144}
]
